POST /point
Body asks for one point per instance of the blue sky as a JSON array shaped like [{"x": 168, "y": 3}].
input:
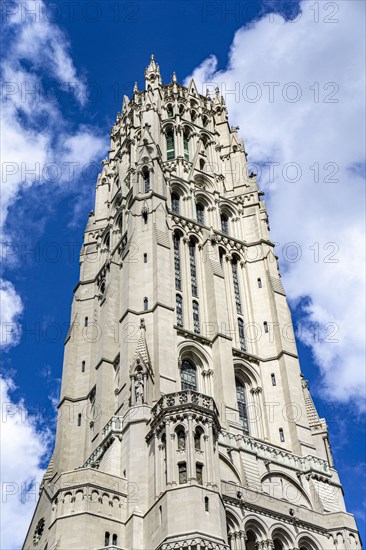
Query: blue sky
[{"x": 82, "y": 62}]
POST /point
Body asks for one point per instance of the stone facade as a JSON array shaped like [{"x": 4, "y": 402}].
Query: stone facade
[{"x": 184, "y": 420}]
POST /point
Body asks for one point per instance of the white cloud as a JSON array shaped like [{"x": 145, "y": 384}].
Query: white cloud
[
  {"x": 326, "y": 61},
  {"x": 37, "y": 69},
  {"x": 39, "y": 146},
  {"x": 11, "y": 308},
  {"x": 22, "y": 450}
]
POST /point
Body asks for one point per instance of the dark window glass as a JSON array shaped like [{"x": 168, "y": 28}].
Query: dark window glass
[
  {"x": 196, "y": 317},
  {"x": 192, "y": 263},
  {"x": 170, "y": 152},
  {"x": 179, "y": 309},
  {"x": 242, "y": 343},
  {"x": 146, "y": 178},
  {"x": 188, "y": 376},
  {"x": 224, "y": 224},
  {"x": 186, "y": 146},
  {"x": 181, "y": 437},
  {"x": 177, "y": 263},
  {"x": 236, "y": 286},
  {"x": 175, "y": 202},
  {"x": 182, "y": 468},
  {"x": 242, "y": 405},
  {"x": 199, "y": 474},
  {"x": 200, "y": 209},
  {"x": 207, "y": 504}
]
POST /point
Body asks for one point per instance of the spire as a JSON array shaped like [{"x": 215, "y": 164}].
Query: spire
[
  {"x": 174, "y": 77},
  {"x": 152, "y": 74},
  {"x": 135, "y": 88}
]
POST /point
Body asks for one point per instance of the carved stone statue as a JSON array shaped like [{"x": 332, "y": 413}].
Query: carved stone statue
[{"x": 139, "y": 388}]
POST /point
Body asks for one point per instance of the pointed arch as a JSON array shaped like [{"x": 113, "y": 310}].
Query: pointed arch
[
  {"x": 281, "y": 537},
  {"x": 297, "y": 496},
  {"x": 307, "y": 542}
]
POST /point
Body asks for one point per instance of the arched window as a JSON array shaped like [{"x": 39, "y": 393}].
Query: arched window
[
  {"x": 181, "y": 110},
  {"x": 192, "y": 263},
  {"x": 200, "y": 210},
  {"x": 198, "y": 438},
  {"x": 170, "y": 152},
  {"x": 196, "y": 317},
  {"x": 107, "y": 241},
  {"x": 241, "y": 331},
  {"x": 224, "y": 224},
  {"x": 199, "y": 473},
  {"x": 82, "y": 366},
  {"x": 182, "y": 470},
  {"x": 282, "y": 435},
  {"x": 259, "y": 281},
  {"x": 250, "y": 543},
  {"x": 146, "y": 178},
  {"x": 175, "y": 202},
  {"x": 234, "y": 265},
  {"x": 169, "y": 110},
  {"x": 177, "y": 263},
  {"x": 265, "y": 326},
  {"x": 204, "y": 121},
  {"x": 179, "y": 309},
  {"x": 86, "y": 320},
  {"x": 114, "y": 539},
  {"x": 107, "y": 537},
  {"x": 193, "y": 116},
  {"x": 273, "y": 378},
  {"x": 202, "y": 164},
  {"x": 120, "y": 222},
  {"x": 79, "y": 420},
  {"x": 207, "y": 504},
  {"x": 146, "y": 303},
  {"x": 188, "y": 376},
  {"x": 242, "y": 405},
  {"x": 186, "y": 145},
  {"x": 277, "y": 544},
  {"x": 181, "y": 438}
]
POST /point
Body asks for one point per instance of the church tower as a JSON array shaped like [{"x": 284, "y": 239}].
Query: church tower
[{"x": 184, "y": 421}]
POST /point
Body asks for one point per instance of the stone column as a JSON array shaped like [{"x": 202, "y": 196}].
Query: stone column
[
  {"x": 207, "y": 459},
  {"x": 191, "y": 469},
  {"x": 243, "y": 538},
  {"x": 211, "y": 455},
  {"x": 156, "y": 464},
  {"x": 169, "y": 452}
]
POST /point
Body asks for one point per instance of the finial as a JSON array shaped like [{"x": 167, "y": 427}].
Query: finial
[
  {"x": 152, "y": 57},
  {"x": 217, "y": 91},
  {"x": 208, "y": 93},
  {"x": 174, "y": 77},
  {"x": 135, "y": 88}
]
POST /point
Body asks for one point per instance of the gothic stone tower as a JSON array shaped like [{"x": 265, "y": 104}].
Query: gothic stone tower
[{"x": 184, "y": 421}]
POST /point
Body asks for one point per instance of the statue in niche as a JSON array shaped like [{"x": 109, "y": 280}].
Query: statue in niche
[{"x": 139, "y": 388}]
